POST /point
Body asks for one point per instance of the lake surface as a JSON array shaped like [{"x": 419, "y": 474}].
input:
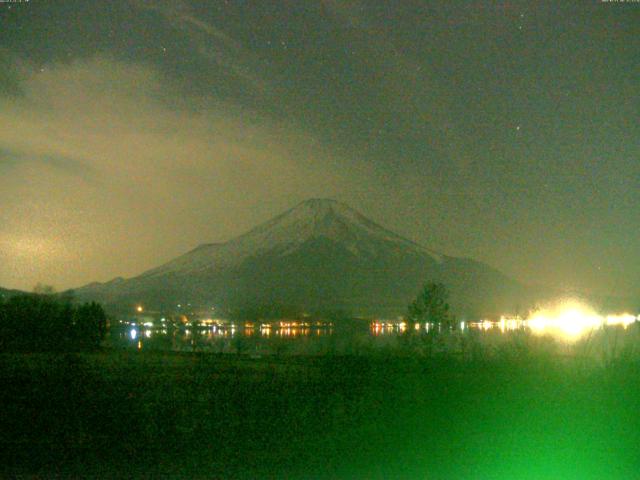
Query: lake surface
[
  {"x": 360, "y": 337},
  {"x": 256, "y": 340}
]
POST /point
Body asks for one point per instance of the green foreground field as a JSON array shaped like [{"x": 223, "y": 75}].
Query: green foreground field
[{"x": 144, "y": 414}]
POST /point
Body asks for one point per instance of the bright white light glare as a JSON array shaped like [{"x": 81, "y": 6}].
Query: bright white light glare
[
  {"x": 133, "y": 333},
  {"x": 625, "y": 320},
  {"x": 571, "y": 319}
]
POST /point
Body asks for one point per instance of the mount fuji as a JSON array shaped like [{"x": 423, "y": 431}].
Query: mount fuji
[{"x": 319, "y": 256}]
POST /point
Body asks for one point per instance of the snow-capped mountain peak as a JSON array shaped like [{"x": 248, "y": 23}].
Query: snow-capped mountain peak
[
  {"x": 312, "y": 219},
  {"x": 320, "y": 254}
]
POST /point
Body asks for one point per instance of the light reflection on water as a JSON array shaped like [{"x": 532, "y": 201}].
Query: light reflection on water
[
  {"x": 320, "y": 338},
  {"x": 229, "y": 338}
]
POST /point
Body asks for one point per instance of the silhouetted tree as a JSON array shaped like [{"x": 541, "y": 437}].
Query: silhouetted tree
[
  {"x": 4, "y": 325},
  {"x": 431, "y": 305},
  {"x": 42, "y": 289},
  {"x": 89, "y": 325},
  {"x": 44, "y": 322}
]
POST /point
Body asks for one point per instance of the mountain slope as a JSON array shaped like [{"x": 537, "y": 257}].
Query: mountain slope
[{"x": 320, "y": 255}]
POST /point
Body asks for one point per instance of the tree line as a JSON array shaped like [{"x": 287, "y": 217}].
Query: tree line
[{"x": 46, "y": 322}]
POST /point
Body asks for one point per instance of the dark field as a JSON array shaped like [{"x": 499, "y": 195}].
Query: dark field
[{"x": 139, "y": 414}]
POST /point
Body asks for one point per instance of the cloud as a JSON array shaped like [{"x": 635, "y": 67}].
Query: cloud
[
  {"x": 417, "y": 95},
  {"x": 104, "y": 162},
  {"x": 210, "y": 42},
  {"x": 13, "y": 159}
]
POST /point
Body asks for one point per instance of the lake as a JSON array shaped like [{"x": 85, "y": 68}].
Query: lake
[{"x": 361, "y": 336}]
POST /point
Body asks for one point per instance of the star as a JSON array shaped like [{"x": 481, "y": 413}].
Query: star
[{"x": 518, "y": 127}]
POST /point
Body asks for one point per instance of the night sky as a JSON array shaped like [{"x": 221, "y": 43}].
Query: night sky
[{"x": 505, "y": 131}]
